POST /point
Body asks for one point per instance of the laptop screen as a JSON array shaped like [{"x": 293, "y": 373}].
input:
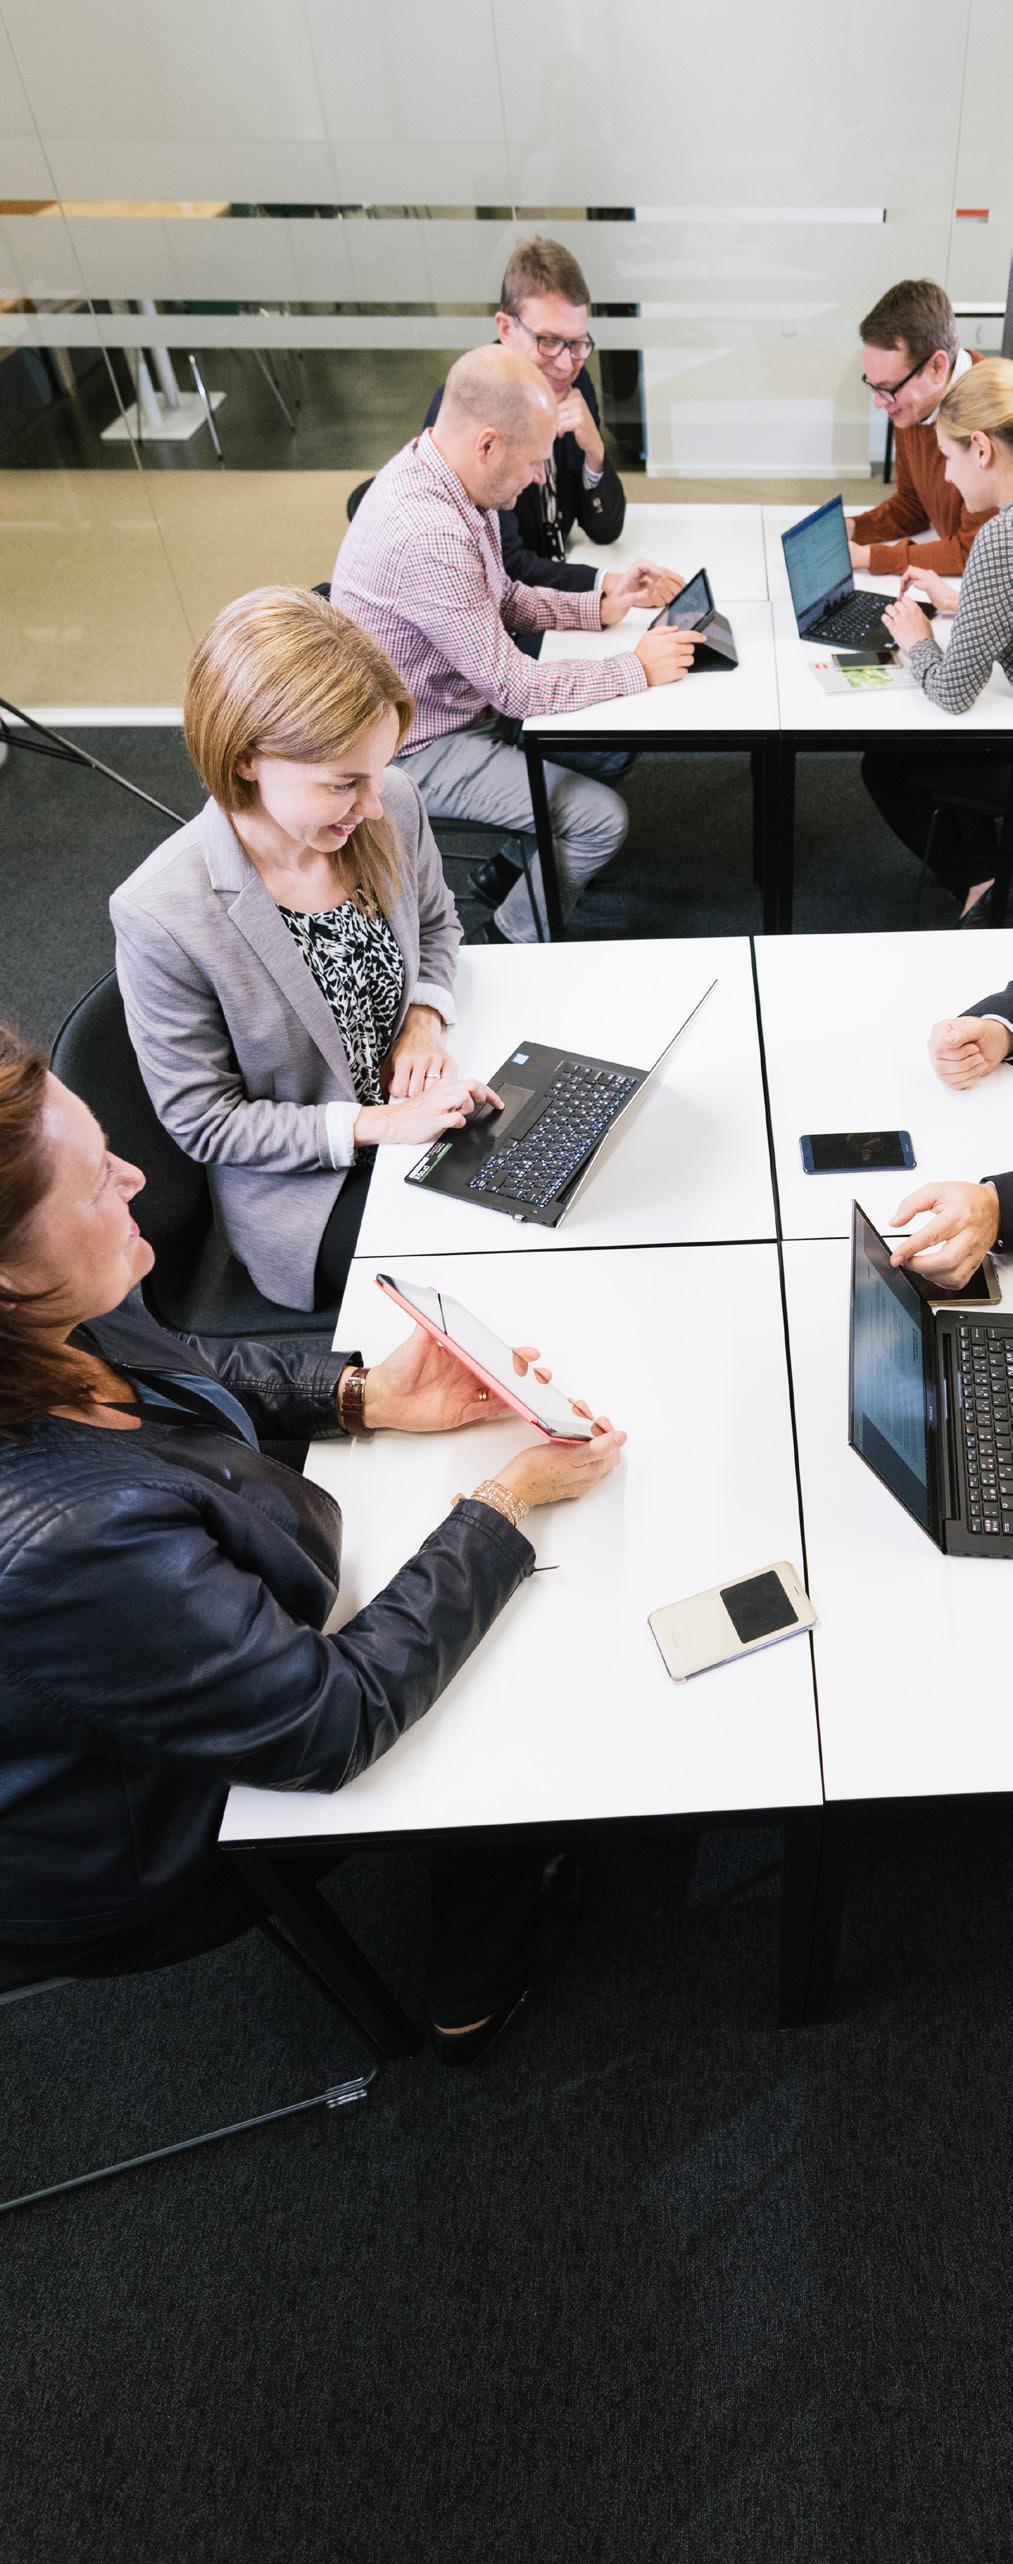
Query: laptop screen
[
  {"x": 818, "y": 562},
  {"x": 891, "y": 1392}
]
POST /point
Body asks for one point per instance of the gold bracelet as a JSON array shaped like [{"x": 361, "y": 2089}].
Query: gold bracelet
[
  {"x": 491, "y": 1491},
  {"x": 352, "y": 1400}
]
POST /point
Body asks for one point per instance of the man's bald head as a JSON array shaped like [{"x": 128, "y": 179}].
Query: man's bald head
[
  {"x": 497, "y": 424},
  {"x": 493, "y": 387}
]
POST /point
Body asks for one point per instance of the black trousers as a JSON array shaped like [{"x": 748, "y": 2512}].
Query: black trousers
[
  {"x": 906, "y": 789},
  {"x": 484, "y": 1905}
]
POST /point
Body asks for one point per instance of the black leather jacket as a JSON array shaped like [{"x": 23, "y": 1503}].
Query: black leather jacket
[{"x": 162, "y": 1597}]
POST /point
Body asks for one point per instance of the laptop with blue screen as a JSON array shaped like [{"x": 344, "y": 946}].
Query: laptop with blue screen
[{"x": 828, "y": 606}]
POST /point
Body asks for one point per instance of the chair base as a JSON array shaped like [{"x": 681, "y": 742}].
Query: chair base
[{"x": 336, "y": 2097}]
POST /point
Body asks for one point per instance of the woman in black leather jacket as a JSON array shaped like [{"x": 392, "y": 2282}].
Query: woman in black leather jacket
[{"x": 164, "y": 1584}]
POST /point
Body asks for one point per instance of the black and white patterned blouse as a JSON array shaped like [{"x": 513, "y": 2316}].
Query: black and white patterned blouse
[
  {"x": 356, "y": 960},
  {"x": 982, "y": 626}
]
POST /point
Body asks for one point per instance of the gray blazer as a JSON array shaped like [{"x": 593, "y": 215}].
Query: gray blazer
[{"x": 237, "y": 1045}]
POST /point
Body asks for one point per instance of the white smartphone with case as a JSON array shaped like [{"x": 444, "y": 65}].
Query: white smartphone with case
[{"x": 731, "y": 1620}]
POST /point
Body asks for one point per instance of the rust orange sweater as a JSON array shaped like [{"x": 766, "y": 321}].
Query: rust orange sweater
[{"x": 921, "y": 498}]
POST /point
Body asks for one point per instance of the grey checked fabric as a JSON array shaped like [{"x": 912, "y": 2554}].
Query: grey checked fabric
[{"x": 982, "y": 626}]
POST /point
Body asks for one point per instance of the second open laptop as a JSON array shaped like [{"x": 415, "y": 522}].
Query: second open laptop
[
  {"x": 828, "y": 606},
  {"x": 931, "y": 1403},
  {"x": 561, "y": 1111}
]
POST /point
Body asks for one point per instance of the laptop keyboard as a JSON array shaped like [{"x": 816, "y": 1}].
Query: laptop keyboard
[
  {"x": 854, "y": 619},
  {"x": 986, "y": 1373},
  {"x": 580, "y": 1106}
]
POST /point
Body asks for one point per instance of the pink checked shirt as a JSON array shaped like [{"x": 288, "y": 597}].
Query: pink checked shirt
[{"x": 422, "y": 569}]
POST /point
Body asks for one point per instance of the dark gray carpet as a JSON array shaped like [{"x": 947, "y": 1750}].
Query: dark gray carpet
[
  {"x": 661, "y": 2282},
  {"x": 68, "y": 837}
]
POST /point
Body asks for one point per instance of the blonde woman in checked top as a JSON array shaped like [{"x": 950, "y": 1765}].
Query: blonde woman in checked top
[{"x": 975, "y": 435}]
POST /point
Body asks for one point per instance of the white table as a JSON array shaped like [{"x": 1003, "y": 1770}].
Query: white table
[
  {"x": 911, "y": 1645},
  {"x": 891, "y": 719},
  {"x": 695, "y": 1162},
  {"x": 846, "y": 1020},
  {"x": 724, "y": 708},
  {"x": 727, "y": 541},
  {"x": 565, "y": 1713}
]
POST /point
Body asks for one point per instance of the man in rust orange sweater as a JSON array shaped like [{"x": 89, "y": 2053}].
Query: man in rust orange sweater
[{"x": 911, "y": 354}]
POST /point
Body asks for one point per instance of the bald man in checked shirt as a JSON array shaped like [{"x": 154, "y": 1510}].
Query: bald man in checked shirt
[{"x": 421, "y": 567}]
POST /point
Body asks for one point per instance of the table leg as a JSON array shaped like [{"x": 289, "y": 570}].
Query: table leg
[
  {"x": 800, "y": 1876},
  {"x": 831, "y": 1895},
  {"x": 546, "y": 842},
  {"x": 758, "y": 769},
  {"x": 767, "y": 832},
  {"x": 330, "y": 1952},
  {"x": 777, "y": 831}
]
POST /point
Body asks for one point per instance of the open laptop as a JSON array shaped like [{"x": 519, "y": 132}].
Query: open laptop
[
  {"x": 828, "y": 606},
  {"x": 930, "y": 1398},
  {"x": 694, "y": 610},
  {"x": 562, "y": 1111}
]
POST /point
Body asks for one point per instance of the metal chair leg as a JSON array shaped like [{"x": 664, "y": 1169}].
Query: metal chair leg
[
  {"x": 271, "y": 378},
  {"x": 336, "y": 2097},
  {"x": 208, "y": 408}
]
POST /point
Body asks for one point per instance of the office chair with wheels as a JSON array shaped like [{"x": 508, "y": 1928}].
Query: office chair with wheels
[
  {"x": 18, "y": 1982},
  {"x": 198, "y": 1287}
]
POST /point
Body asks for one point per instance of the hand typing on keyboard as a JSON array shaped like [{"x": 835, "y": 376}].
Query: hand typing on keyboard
[
  {"x": 408, "y": 1119},
  {"x": 580, "y": 1107}
]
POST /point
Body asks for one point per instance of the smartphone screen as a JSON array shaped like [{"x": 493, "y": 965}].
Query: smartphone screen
[
  {"x": 758, "y": 1606},
  {"x": 855, "y": 1152},
  {"x": 465, "y": 1334}
]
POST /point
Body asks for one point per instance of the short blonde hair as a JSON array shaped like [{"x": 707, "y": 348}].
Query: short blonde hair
[
  {"x": 981, "y": 403},
  {"x": 281, "y": 673}
]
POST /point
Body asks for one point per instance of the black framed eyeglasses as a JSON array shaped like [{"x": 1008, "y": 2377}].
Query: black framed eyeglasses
[
  {"x": 889, "y": 391},
  {"x": 547, "y": 345}
]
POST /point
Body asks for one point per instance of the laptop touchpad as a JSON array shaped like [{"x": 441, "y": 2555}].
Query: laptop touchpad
[{"x": 492, "y": 1125}]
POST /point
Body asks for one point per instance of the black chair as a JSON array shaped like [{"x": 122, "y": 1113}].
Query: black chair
[
  {"x": 473, "y": 841},
  {"x": 18, "y": 1982},
  {"x": 198, "y": 1287},
  {"x": 957, "y": 801}
]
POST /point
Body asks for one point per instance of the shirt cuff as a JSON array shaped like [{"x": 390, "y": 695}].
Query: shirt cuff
[
  {"x": 599, "y": 582},
  {"x": 996, "y": 1019},
  {"x": 341, "y": 1121},
  {"x": 426, "y": 993},
  {"x": 591, "y": 479}
]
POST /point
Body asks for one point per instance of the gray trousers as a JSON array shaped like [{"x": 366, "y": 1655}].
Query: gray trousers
[{"x": 471, "y": 775}]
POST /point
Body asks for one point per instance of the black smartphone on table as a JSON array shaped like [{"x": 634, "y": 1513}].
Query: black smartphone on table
[{"x": 855, "y": 1152}]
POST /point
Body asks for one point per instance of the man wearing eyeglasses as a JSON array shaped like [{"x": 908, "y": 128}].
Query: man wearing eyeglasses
[
  {"x": 911, "y": 355},
  {"x": 543, "y": 315}
]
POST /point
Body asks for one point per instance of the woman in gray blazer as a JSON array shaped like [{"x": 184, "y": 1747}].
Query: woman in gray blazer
[{"x": 287, "y": 960}]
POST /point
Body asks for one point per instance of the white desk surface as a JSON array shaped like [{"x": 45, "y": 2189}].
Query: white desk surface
[
  {"x": 694, "y": 1163},
  {"x": 804, "y": 706},
  {"x": 846, "y": 1020},
  {"x": 726, "y": 541},
  {"x": 566, "y": 1710},
  {"x": 911, "y": 1647},
  {"x": 742, "y": 698}
]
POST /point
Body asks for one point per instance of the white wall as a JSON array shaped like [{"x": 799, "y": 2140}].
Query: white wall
[{"x": 788, "y": 163}]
